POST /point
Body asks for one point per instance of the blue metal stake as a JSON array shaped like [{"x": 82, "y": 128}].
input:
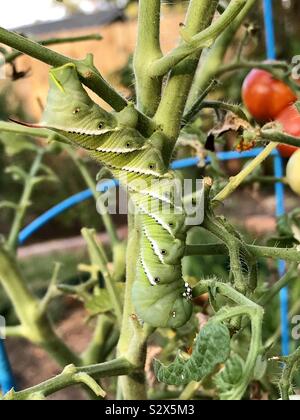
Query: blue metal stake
[
  {"x": 279, "y": 187},
  {"x": 6, "y": 376}
]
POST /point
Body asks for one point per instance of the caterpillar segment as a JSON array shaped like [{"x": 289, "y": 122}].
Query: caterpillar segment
[{"x": 160, "y": 296}]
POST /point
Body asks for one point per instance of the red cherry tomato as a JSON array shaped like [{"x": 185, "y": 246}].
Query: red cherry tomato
[
  {"x": 264, "y": 96},
  {"x": 289, "y": 118}
]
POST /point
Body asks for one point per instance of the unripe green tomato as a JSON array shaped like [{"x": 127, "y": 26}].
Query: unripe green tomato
[{"x": 293, "y": 172}]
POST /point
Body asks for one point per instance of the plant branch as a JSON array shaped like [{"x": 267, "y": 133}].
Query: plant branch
[
  {"x": 147, "y": 51},
  {"x": 215, "y": 57},
  {"x": 291, "y": 364},
  {"x": 12, "y": 242},
  {"x": 72, "y": 375},
  {"x": 52, "y": 291},
  {"x": 197, "y": 42},
  {"x": 217, "y": 105},
  {"x": 237, "y": 180},
  {"x": 287, "y": 254},
  {"x": 88, "y": 73},
  {"x": 195, "y": 108},
  {"x": 97, "y": 350},
  {"x": 270, "y": 67},
  {"x": 107, "y": 221},
  {"x": 170, "y": 111},
  {"x": 10, "y": 57},
  {"x": 98, "y": 258},
  {"x": 35, "y": 324},
  {"x": 290, "y": 276},
  {"x": 279, "y": 137},
  {"x": 133, "y": 337}
]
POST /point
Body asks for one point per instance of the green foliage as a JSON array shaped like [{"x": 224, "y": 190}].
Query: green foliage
[
  {"x": 230, "y": 375},
  {"x": 100, "y": 302},
  {"x": 212, "y": 348}
]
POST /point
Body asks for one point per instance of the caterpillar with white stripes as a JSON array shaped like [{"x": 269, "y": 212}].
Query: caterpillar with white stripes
[{"x": 160, "y": 296}]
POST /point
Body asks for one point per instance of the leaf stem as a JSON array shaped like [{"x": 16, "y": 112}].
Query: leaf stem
[
  {"x": 147, "y": 51},
  {"x": 12, "y": 242},
  {"x": 98, "y": 257},
  {"x": 237, "y": 180},
  {"x": 56, "y": 41},
  {"x": 197, "y": 42},
  {"x": 72, "y": 375}
]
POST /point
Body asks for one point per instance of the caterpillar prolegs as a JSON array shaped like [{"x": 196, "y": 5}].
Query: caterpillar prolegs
[{"x": 160, "y": 295}]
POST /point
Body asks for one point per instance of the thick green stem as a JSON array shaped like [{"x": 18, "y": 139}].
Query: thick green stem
[
  {"x": 170, "y": 111},
  {"x": 12, "y": 242},
  {"x": 132, "y": 342},
  {"x": 72, "y": 376},
  {"x": 147, "y": 51},
  {"x": 197, "y": 42},
  {"x": 215, "y": 57}
]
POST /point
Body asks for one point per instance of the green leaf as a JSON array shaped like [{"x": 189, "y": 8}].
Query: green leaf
[
  {"x": 100, "y": 302},
  {"x": 8, "y": 204},
  {"x": 212, "y": 347},
  {"x": 230, "y": 375},
  {"x": 17, "y": 173},
  {"x": 16, "y": 143},
  {"x": 260, "y": 368}
]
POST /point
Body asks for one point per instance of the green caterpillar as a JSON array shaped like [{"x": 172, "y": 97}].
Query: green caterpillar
[{"x": 160, "y": 295}]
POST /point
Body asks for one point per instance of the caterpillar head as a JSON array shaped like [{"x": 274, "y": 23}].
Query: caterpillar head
[{"x": 69, "y": 107}]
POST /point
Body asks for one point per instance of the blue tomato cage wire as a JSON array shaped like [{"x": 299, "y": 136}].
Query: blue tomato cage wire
[
  {"x": 6, "y": 378},
  {"x": 279, "y": 187}
]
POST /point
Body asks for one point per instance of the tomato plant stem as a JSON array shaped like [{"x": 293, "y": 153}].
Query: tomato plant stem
[{"x": 237, "y": 180}]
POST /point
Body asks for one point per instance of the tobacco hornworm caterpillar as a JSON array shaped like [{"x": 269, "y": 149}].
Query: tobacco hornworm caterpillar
[{"x": 160, "y": 296}]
